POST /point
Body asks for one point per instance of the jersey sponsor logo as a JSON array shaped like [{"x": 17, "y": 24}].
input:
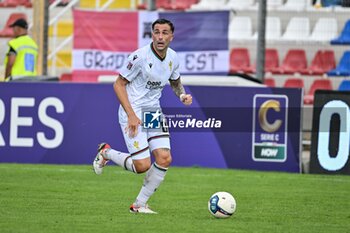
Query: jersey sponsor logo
[{"x": 153, "y": 85}]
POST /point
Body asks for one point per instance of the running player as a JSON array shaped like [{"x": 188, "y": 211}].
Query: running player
[{"x": 138, "y": 87}]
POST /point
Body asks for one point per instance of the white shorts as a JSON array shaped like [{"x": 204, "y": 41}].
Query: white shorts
[{"x": 145, "y": 141}]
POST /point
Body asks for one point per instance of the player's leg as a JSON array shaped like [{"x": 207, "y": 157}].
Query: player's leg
[
  {"x": 160, "y": 147},
  {"x": 137, "y": 146}
]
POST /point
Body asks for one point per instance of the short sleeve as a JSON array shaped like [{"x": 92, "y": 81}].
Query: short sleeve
[
  {"x": 11, "y": 51},
  {"x": 132, "y": 68}
]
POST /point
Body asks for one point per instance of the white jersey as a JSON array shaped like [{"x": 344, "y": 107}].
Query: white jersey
[{"x": 147, "y": 74}]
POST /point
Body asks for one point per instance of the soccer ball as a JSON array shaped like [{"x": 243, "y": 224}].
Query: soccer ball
[{"x": 222, "y": 205}]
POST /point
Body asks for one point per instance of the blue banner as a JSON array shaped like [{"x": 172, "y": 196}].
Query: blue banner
[
  {"x": 62, "y": 123},
  {"x": 201, "y": 40},
  {"x": 199, "y": 31}
]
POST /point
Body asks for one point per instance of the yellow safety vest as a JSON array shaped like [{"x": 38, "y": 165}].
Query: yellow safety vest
[{"x": 26, "y": 56}]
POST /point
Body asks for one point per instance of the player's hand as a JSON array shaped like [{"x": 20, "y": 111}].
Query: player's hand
[
  {"x": 133, "y": 125},
  {"x": 186, "y": 99}
]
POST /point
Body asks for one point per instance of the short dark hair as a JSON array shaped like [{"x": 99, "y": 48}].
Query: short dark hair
[{"x": 164, "y": 21}]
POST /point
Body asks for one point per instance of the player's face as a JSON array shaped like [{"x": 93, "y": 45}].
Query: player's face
[{"x": 161, "y": 36}]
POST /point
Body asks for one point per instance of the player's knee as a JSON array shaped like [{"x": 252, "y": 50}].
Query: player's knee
[
  {"x": 142, "y": 167},
  {"x": 164, "y": 159}
]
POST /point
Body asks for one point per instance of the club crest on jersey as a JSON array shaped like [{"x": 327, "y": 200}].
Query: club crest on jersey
[
  {"x": 136, "y": 145},
  {"x": 170, "y": 65},
  {"x": 129, "y": 66}
]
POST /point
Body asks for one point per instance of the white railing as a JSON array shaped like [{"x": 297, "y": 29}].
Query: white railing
[{"x": 53, "y": 22}]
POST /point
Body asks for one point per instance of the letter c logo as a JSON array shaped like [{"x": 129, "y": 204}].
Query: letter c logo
[{"x": 265, "y": 107}]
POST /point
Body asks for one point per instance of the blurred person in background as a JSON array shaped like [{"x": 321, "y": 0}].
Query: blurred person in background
[{"x": 21, "y": 58}]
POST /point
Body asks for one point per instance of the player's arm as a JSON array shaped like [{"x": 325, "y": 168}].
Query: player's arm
[
  {"x": 120, "y": 90},
  {"x": 11, "y": 57},
  {"x": 180, "y": 92}
]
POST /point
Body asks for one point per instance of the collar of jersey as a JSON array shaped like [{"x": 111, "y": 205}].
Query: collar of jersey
[{"x": 156, "y": 54}]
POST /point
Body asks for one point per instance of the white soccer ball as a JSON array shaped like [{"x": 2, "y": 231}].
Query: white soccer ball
[{"x": 222, "y": 205}]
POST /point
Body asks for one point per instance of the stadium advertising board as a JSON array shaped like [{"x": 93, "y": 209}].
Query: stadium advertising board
[
  {"x": 62, "y": 123},
  {"x": 330, "y": 142},
  {"x": 102, "y": 46}
]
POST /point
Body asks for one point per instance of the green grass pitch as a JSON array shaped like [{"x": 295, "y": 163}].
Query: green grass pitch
[{"x": 66, "y": 198}]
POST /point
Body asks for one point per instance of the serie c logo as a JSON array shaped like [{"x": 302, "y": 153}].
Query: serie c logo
[
  {"x": 264, "y": 123},
  {"x": 269, "y": 142}
]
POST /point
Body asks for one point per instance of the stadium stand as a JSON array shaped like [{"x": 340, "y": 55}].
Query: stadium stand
[
  {"x": 325, "y": 30},
  {"x": 323, "y": 61},
  {"x": 294, "y": 62},
  {"x": 209, "y": 5},
  {"x": 294, "y": 83},
  {"x": 344, "y": 37},
  {"x": 271, "y": 60},
  {"x": 7, "y": 31},
  {"x": 328, "y": 3},
  {"x": 297, "y": 29},
  {"x": 239, "y": 4},
  {"x": 240, "y": 61},
  {"x": 270, "y": 82},
  {"x": 65, "y": 77},
  {"x": 345, "y": 3},
  {"x": 344, "y": 85},
  {"x": 318, "y": 84},
  {"x": 241, "y": 28},
  {"x": 343, "y": 68},
  {"x": 274, "y": 4},
  {"x": 273, "y": 29},
  {"x": 64, "y": 28},
  {"x": 92, "y": 4},
  {"x": 294, "y": 5},
  {"x": 15, "y": 3},
  {"x": 175, "y": 5}
]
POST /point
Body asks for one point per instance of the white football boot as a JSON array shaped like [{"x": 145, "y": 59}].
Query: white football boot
[
  {"x": 100, "y": 161},
  {"x": 141, "y": 209}
]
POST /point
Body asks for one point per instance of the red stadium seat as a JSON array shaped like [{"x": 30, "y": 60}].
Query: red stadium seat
[
  {"x": 163, "y": 4},
  {"x": 294, "y": 83},
  {"x": 318, "y": 84},
  {"x": 294, "y": 62},
  {"x": 271, "y": 60},
  {"x": 328, "y": 60},
  {"x": 323, "y": 62},
  {"x": 270, "y": 82},
  {"x": 240, "y": 61},
  {"x": 175, "y": 5},
  {"x": 7, "y": 31},
  {"x": 15, "y": 3},
  {"x": 66, "y": 77}
]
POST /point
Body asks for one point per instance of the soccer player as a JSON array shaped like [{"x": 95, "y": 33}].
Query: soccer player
[{"x": 138, "y": 87}]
